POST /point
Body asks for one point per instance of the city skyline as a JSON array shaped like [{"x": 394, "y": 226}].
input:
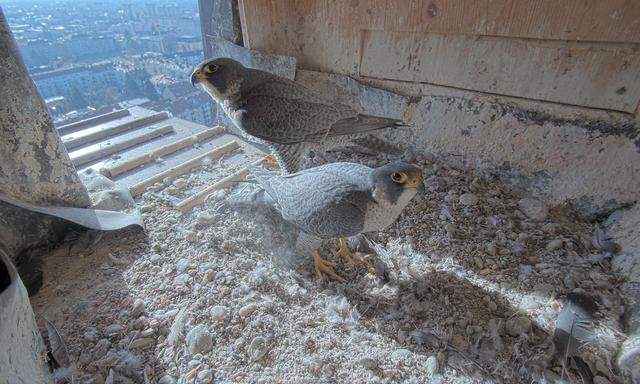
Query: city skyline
[{"x": 90, "y": 56}]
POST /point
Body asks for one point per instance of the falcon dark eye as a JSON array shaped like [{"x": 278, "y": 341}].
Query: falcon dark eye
[
  {"x": 399, "y": 177},
  {"x": 210, "y": 68}
]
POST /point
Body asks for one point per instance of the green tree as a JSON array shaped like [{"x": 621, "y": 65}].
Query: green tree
[
  {"x": 131, "y": 86},
  {"x": 76, "y": 98}
]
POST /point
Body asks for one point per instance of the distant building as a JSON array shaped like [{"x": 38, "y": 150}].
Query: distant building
[
  {"x": 57, "y": 106},
  {"x": 189, "y": 59},
  {"x": 76, "y": 82},
  {"x": 194, "y": 107},
  {"x": 188, "y": 43},
  {"x": 177, "y": 90}
]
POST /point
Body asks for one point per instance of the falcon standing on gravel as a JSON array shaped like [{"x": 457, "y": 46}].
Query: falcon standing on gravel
[
  {"x": 338, "y": 200},
  {"x": 286, "y": 116}
]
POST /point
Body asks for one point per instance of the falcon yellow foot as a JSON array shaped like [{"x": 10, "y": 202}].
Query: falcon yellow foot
[
  {"x": 323, "y": 266},
  {"x": 344, "y": 253},
  {"x": 270, "y": 159}
]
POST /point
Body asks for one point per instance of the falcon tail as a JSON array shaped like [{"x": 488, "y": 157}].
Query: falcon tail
[
  {"x": 363, "y": 123},
  {"x": 263, "y": 178},
  {"x": 250, "y": 196}
]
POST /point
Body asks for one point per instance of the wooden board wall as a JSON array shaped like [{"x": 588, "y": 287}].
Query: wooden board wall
[{"x": 577, "y": 52}]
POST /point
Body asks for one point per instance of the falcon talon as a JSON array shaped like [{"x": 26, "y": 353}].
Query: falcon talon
[
  {"x": 345, "y": 253},
  {"x": 337, "y": 200},
  {"x": 323, "y": 266}
]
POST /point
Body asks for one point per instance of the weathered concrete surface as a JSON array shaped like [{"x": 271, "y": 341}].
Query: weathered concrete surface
[
  {"x": 624, "y": 228},
  {"x": 564, "y": 154},
  {"x": 23, "y": 355},
  {"x": 219, "y": 18},
  {"x": 34, "y": 165}
]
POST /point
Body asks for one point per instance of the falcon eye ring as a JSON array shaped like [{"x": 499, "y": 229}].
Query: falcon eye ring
[
  {"x": 399, "y": 177},
  {"x": 210, "y": 68}
]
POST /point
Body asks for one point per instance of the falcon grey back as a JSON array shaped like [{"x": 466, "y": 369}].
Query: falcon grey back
[
  {"x": 282, "y": 113},
  {"x": 342, "y": 199}
]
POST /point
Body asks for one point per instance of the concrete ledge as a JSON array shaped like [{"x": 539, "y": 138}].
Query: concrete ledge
[{"x": 564, "y": 154}]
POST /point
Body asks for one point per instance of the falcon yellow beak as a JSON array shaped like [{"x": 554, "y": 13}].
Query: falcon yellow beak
[{"x": 196, "y": 76}]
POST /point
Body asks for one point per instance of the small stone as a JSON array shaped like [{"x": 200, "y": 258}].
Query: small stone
[
  {"x": 533, "y": 208},
  {"x": 431, "y": 366},
  {"x": 517, "y": 326},
  {"x": 554, "y": 245},
  {"x": 568, "y": 281},
  {"x": 401, "y": 354},
  {"x": 113, "y": 329},
  {"x": 166, "y": 379},
  {"x": 199, "y": 340},
  {"x": 492, "y": 249},
  {"x": 101, "y": 348},
  {"x": 468, "y": 199},
  {"x": 91, "y": 335},
  {"x": 478, "y": 262},
  {"x": 155, "y": 258},
  {"x": 173, "y": 191},
  {"x": 205, "y": 376},
  {"x": 180, "y": 183},
  {"x": 257, "y": 348},
  {"x": 219, "y": 313},
  {"x": 137, "y": 308},
  {"x": 247, "y": 310},
  {"x": 368, "y": 363},
  {"x": 142, "y": 343},
  {"x": 181, "y": 280},
  {"x": 209, "y": 274},
  {"x": 85, "y": 357},
  {"x": 205, "y": 218},
  {"x": 146, "y": 208},
  {"x": 450, "y": 228},
  {"x": 182, "y": 265}
]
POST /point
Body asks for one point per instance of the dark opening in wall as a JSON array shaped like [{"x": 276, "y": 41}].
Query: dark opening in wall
[{"x": 5, "y": 278}]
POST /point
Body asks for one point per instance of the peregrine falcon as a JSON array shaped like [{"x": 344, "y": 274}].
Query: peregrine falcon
[
  {"x": 283, "y": 114},
  {"x": 338, "y": 200}
]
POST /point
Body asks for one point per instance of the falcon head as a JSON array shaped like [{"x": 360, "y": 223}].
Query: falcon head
[
  {"x": 220, "y": 77},
  {"x": 396, "y": 182}
]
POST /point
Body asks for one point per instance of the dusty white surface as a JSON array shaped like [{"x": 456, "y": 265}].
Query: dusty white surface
[{"x": 463, "y": 288}]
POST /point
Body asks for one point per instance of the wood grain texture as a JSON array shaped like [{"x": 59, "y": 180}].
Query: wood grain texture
[
  {"x": 571, "y": 73},
  {"x": 576, "y": 52}
]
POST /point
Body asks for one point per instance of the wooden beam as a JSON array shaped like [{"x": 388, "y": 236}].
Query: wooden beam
[
  {"x": 184, "y": 167},
  {"x": 107, "y": 148},
  {"x": 587, "y": 74},
  {"x": 115, "y": 169},
  {"x": 91, "y": 135},
  {"x": 197, "y": 199},
  {"x": 72, "y": 127}
]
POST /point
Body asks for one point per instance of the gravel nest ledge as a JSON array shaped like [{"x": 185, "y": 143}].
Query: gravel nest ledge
[{"x": 465, "y": 287}]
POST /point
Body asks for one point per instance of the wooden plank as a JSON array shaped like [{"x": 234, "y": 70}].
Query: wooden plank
[
  {"x": 286, "y": 26},
  {"x": 72, "y": 127},
  {"x": 99, "y": 133},
  {"x": 115, "y": 169},
  {"x": 588, "y": 20},
  {"x": 197, "y": 199},
  {"x": 184, "y": 167},
  {"x": 572, "y": 73},
  {"x": 100, "y": 150}
]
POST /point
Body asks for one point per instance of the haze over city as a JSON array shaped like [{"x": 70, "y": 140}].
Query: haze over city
[{"x": 88, "y": 57}]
